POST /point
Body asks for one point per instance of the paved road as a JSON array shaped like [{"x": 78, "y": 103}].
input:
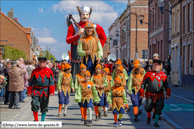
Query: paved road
[
  {"x": 179, "y": 111},
  {"x": 73, "y": 118}
]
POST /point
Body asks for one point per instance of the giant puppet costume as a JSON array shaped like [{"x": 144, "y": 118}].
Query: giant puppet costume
[
  {"x": 40, "y": 87},
  {"x": 155, "y": 82},
  {"x": 74, "y": 34},
  {"x": 90, "y": 48}
]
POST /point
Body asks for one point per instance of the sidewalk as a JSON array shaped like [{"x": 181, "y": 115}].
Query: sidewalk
[{"x": 179, "y": 108}]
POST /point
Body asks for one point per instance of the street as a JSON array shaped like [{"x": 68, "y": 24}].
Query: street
[{"x": 177, "y": 113}]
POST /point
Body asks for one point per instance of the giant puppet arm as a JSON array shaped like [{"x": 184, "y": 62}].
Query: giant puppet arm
[
  {"x": 70, "y": 35},
  {"x": 101, "y": 34}
]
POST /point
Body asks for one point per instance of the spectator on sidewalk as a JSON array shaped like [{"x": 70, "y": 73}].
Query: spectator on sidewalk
[
  {"x": 25, "y": 80},
  {"x": 7, "y": 92},
  {"x": 130, "y": 66},
  {"x": 16, "y": 83},
  {"x": 55, "y": 70},
  {"x": 30, "y": 68}
]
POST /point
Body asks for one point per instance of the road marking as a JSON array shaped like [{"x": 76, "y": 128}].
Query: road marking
[
  {"x": 183, "y": 98},
  {"x": 187, "y": 107}
]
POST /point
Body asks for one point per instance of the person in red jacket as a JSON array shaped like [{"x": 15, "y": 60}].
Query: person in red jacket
[{"x": 74, "y": 34}]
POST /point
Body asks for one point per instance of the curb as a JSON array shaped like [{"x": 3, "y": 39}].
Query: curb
[
  {"x": 167, "y": 119},
  {"x": 192, "y": 102}
]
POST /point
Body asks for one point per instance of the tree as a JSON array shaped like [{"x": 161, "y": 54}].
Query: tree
[{"x": 48, "y": 55}]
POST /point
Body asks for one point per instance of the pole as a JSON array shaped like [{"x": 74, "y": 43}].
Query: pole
[{"x": 136, "y": 55}]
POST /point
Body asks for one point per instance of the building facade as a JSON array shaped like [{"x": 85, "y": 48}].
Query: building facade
[
  {"x": 159, "y": 41},
  {"x": 106, "y": 48},
  {"x": 12, "y": 32},
  {"x": 187, "y": 28},
  {"x": 123, "y": 32}
]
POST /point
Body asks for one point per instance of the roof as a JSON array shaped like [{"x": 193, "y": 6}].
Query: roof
[
  {"x": 15, "y": 24},
  {"x": 140, "y": 3}
]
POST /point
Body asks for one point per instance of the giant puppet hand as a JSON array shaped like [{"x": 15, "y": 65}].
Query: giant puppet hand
[
  {"x": 88, "y": 53},
  {"x": 98, "y": 60},
  {"x": 81, "y": 31}
]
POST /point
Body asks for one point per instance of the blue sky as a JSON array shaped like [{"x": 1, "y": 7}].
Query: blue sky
[{"x": 47, "y": 18}]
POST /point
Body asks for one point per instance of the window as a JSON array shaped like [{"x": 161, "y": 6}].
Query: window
[
  {"x": 189, "y": 17},
  {"x": 144, "y": 54},
  {"x": 158, "y": 51},
  {"x": 178, "y": 20},
  {"x": 174, "y": 22},
  {"x": 189, "y": 59},
  {"x": 184, "y": 20},
  {"x": 173, "y": 25},
  {"x": 155, "y": 15},
  {"x": 158, "y": 18}
]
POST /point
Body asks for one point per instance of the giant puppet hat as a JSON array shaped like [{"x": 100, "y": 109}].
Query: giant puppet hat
[{"x": 84, "y": 8}]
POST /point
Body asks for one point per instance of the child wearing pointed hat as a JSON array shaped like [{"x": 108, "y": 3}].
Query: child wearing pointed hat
[
  {"x": 79, "y": 78},
  {"x": 134, "y": 84},
  {"x": 107, "y": 88},
  {"x": 65, "y": 84},
  {"x": 99, "y": 83},
  {"x": 86, "y": 94},
  {"x": 117, "y": 100},
  {"x": 114, "y": 73}
]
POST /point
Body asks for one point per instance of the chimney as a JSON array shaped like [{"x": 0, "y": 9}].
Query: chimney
[{"x": 10, "y": 14}]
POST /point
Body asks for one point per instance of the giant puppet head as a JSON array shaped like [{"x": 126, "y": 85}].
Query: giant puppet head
[{"x": 84, "y": 12}]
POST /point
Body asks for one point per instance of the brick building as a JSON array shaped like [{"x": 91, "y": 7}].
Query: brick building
[
  {"x": 159, "y": 27},
  {"x": 106, "y": 48},
  {"x": 123, "y": 31},
  {"x": 187, "y": 28},
  {"x": 139, "y": 7},
  {"x": 12, "y": 32}
]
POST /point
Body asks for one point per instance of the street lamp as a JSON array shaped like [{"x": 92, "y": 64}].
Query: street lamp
[
  {"x": 141, "y": 18},
  {"x": 161, "y": 4}
]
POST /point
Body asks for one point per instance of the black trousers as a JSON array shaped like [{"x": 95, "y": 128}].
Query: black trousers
[
  {"x": 158, "y": 105},
  {"x": 40, "y": 102},
  {"x": 7, "y": 94},
  {"x": 14, "y": 99}
]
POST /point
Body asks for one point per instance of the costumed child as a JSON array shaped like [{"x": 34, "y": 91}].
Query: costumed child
[
  {"x": 86, "y": 94},
  {"x": 99, "y": 83},
  {"x": 90, "y": 48},
  {"x": 65, "y": 84},
  {"x": 134, "y": 84},
  {"x": 114, "y": 74},
  {"x": 107, "y": 88},
  {"x": 79, "y": 78},
  {"x": 117, "y": 100}
]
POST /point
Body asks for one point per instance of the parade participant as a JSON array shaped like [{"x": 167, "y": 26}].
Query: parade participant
[
  {"x": 3, "y": 82},
  {"x": 74, "y": 34},
  {"x": 99, "y": 83},
  {"x": 117, "y": 100},
  {"x": 78, "y": 79},
  {"x": 119, "y": 73},
  {"x": 86, "y": 94},
  {"x": 65, "y": 84},
  {"x": 41, "y": 85},
  {"x": 155, "y": 82},
  {"x": 109, "y": 65},
  {"x": 90, "y": 48},
  {"x": 106, "y": 88},
  {"x": 114, "y": 74},
  {"x": 134, "y": 84}
]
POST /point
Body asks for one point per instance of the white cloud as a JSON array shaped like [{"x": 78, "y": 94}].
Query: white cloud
[{"x": 47, "y": 40}]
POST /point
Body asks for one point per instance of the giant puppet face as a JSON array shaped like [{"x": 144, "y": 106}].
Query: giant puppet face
[
  {"x": 84, "y": 12},
  {"x": 84, "y": 16}
]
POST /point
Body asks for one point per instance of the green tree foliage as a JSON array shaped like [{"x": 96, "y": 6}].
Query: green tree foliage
[
  {"x": 48, "y": 55},
  {"x": 12, "y": 53}
]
